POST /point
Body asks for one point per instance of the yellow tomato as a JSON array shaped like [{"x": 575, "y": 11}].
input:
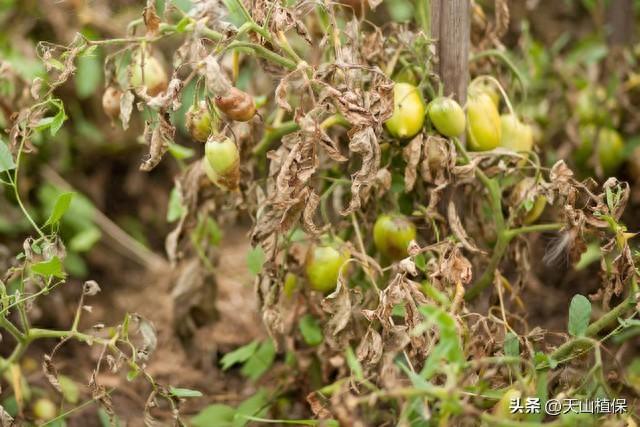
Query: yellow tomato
[
  {"x": 408, "y": 111},
  {"x": 483, "y": 122}
]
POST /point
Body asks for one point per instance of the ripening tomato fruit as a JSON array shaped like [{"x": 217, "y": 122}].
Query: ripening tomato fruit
[
  {"x": 483, "y": 122},
  {"x": 200, "y": 122},
  {"x": 44, "y": 409},
  {"x": 520, "y": 193},
  {"x": 591, "y": 106},
  {"x": 323, "y": 265},
  {"x": 111, "y": 102},
  {"x": 408, "y": 111},
  {"x": 406, "y": 75},
  {"x": 490, "y": 90},
  {"x": 222, "y": 163},
  {"x": 515, "y": 135},
  {"x": 237, "y": 105},
  {"x": 146, "y": 71},
  {"x": 447, "y": 116},
  {"x": 610, "y": 153},
  {"x": 392, "y": 235},
  {"x": 502, "y": 409}
]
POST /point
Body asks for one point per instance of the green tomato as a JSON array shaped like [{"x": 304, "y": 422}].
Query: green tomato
[
  {"x": 44, "y": 409},
  {"x": 483, "y": 122},
  {"x": 447, "y": 116},
  {"x": 590, "y": 106},
  {"x": 150, "y": 75},
  {"x": 200, "y": 122},
  {"x": 408, "y": 111},
  {"x": 392, "y": 235},
  {"x": 222, "y": 163},
  {"x": 406, "y": 75},
  {"x": 323, "y": 265},
  {"x": 610, "y": 148},
  {"x": 515, "y": 135},
  {"x": 502, "y": 409}
]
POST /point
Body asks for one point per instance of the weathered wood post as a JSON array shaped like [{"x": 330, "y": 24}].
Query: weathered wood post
[
  {"x": 620, "y": 22},
  {"x": 451, "y": 27}
]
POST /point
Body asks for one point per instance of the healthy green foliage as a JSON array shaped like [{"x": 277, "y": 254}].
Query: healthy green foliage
[{"x": 579, "y": 315}]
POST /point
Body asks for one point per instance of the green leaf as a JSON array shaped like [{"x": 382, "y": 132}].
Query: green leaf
[
  {"x": 237, "y": 13},
  {"x": 310, "y": 330},
  {"x": 260, "y": 361},
  {"x": 6, "y": 159},
  {"x": 213, "y": 231},
  {"x": 60, "y": 207},
  {"x": 184, "y": 392},
  {"x": 57, "y": 122},
  {"x": 49, "y": 268},
  {"x": 43, "y": 123},
  {"x": 88, "y": 74},
  {"x": 511, "y": 345},
  {"x": 255, "y": 260},
  {"x": 70, "y": 390},
  {"x": 449, "y": 347},
  {"x": 180, "y": 152},
  {"x": 421, "y": 262},
  {"x": 255, "y": 406},
  {"x": 239, "y": 355},
  {"x": 85, "y": 239},
  {"x": 579, "y": 315},
  {"x": 354, "y": 364},
  {"x": 214, "y": 415},
  {"x": 175, "y": 208},
  {"x": 106, "y": 420}
]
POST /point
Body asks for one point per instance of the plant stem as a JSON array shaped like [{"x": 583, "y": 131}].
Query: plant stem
[
  {"x": 291, "y": 126},
  {"x": 273, "y": 135},
  {"x": 487, "y": 277},
  {"x": 500, "y": 55},
  {"x": 14, "y": 183},
  {"x": 588, "y": 341},
  {"x": 263, "y": 52},
  {"x": 535, "y": 228}
]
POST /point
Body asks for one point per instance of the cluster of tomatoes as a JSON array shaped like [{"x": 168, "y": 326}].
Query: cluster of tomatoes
[
  {"x": 221, "y": 159},
  {"x": 485, "y": 128}
]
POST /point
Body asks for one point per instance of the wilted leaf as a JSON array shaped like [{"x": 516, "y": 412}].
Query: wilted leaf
[{"x": 50, "y": 268}]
